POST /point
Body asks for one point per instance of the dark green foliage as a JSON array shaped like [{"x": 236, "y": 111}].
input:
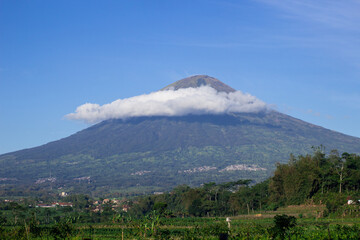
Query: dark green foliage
[
  {"x": 296, "y": 181},
  {"x": 196, "y": 209},
  {"x": 208, "y": 200},
  {"x": 62, "y": 230},
  {"x": 282, "y": 225},
  {"x": 3, "y": 220},
  {"x": 217, "y": 229},
  {"x": 334, "y": 201},
  {"x": 316, "y": 176},
  {"x": 34, "y": 228},
  {"x": 310, "y": 178},
  {"x": 160, "y": 207},
  {"x": 197, "y": 228},
  {"x": 80, "y": 201},
  {"x": 347, "y": 232}
]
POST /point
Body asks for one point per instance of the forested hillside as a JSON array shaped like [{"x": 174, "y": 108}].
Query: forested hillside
[{"x": 158, "y": 153}]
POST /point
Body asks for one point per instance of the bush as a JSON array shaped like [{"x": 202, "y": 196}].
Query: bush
[
  {"x": 334, "y": 202},
  {"x": 272, "y": 207},
  {"x": 283, "y": 223}
]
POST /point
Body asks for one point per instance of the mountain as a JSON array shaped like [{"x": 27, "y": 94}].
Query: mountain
[
  {"x": 198, "y": 81},
  {"x": 146, "y": 154}
]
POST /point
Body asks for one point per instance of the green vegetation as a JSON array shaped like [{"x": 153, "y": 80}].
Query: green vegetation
[
  {"x": 311, "y": 197},
  {"x": 155, "y": 227},
  {"x": 317, "y": 179}
]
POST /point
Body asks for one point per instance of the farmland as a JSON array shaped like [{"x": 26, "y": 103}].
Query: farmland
[{"x": 253, "y": 226}]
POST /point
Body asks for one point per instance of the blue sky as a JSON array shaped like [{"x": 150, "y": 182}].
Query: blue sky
[{"x": 303, "y": 57}]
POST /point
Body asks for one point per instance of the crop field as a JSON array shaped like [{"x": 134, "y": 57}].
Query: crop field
[
  {"x": 217, "y": 229},
  {"x": 300, "y": 223}
]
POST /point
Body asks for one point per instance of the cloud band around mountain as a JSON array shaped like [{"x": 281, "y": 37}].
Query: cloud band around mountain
[{"x": 202, "y": 100}]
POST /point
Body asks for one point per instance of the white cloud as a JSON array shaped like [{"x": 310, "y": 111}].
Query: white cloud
[{"x": 202, "y": 100}]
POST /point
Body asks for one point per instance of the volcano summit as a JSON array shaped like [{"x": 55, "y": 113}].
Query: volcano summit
[{"x": 193, "y": 131}]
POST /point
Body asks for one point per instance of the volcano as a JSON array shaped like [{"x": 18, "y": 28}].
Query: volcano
[{"x": 155, "y": 153}]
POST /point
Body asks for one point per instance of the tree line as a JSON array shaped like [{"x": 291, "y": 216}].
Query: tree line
[{"x": 320, "y": 178}]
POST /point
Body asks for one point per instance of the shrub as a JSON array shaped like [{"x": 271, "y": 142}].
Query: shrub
[{"x": 282, "y": 224}]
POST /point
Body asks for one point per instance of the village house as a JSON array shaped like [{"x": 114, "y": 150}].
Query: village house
[
  {"x": 54, "y": 204},
  {"x": 125, "y": 208}
]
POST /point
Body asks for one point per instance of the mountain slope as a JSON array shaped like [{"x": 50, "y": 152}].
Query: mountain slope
[{"x": 157, "y": 153}]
